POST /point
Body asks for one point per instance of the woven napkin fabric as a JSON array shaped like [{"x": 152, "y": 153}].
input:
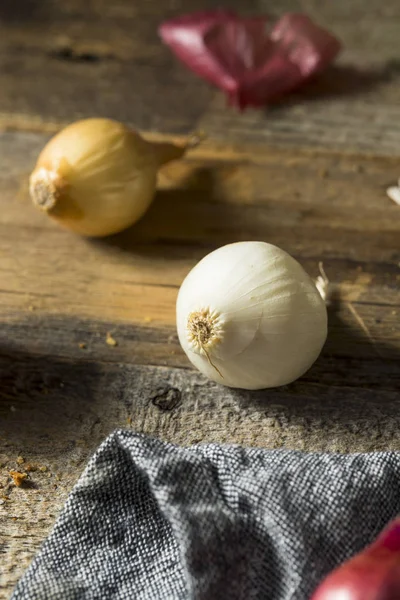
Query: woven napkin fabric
[{"x": 148, "y": 520}]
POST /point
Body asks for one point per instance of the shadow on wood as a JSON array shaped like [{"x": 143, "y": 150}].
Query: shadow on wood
[
  {"x": 190, "y": 215},
  {"x": 342, "y": 390},
  {"x": 21, "y": 12},
  {"x": 44, "y": 398},
  {"x": 339, "y": 81},
  {"x": 48, "y": 404}
]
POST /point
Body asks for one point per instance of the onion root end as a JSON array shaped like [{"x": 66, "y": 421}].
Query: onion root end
[{"x": 44, "y": 188}]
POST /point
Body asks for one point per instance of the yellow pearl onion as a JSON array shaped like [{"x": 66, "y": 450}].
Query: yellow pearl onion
[{"x": 98, "y": 177}]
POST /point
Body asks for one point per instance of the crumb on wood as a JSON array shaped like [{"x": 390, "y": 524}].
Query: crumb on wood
[
  {"x": 110, "y": 340},
  {"x": 20, "y": 460},
  {"x": 129, "y": 420},
  {"x": 323, "y": 173},
  {"x": 148, "y": 320},
  {"x": 31, "y": 308},
  {"x": 81, "y": 442},
  {"x": 82, "y": 345},
  {"x": 17, "y": 477},
  {"x": 77, "y": 462}
]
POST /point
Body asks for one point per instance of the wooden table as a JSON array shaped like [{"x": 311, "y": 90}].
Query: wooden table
[{"x": 308, "y": 175}]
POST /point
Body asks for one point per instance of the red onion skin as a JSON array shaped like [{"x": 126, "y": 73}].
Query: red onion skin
[
  {"x": 373, "y": 574},
  {"x": 252, "y": 59},
  {"x": 185, "y": 35}
]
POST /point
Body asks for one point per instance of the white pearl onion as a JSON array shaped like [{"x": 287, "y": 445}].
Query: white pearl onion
[{"x": 249, "y": 316}]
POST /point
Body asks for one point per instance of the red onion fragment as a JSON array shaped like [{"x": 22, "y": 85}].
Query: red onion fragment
[{"x": 252, "y": 59}]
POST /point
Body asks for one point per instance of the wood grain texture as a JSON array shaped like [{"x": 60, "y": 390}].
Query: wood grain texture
[
  {"x": 308, "y": 175},
  {"x": 331, "y": 209},
  {"x": 111, "y": 54}
]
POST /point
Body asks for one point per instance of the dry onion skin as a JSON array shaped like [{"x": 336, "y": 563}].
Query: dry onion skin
[
  {"x": 249, "y": 316},
  {"x": 98, "y": 177}
]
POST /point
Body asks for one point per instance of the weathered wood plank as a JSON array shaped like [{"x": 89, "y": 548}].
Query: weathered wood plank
[
  {"x": 63, "y": 402},
  {"x": 360, "y": 331},
  {"x": 331, "y": 208},
  {"x": 112, "y": 55}
]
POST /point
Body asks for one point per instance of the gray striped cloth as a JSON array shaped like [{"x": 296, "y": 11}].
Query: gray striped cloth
[{"x": 148, "y": 520}]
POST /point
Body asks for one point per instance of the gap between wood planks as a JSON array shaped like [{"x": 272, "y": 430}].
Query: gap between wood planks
[{"x": 209, "y": 148}]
